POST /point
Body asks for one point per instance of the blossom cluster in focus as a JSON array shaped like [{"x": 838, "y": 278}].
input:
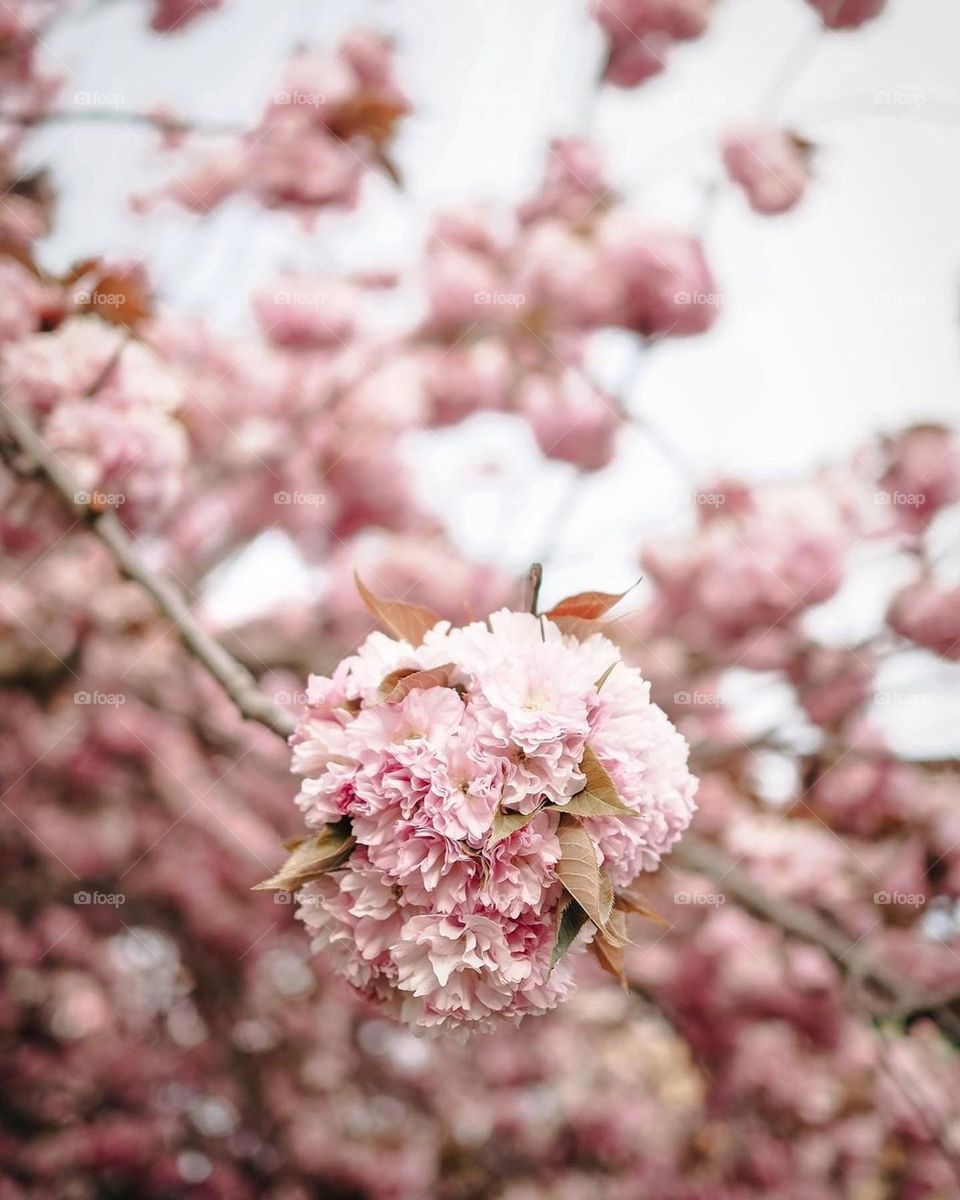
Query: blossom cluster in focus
[{"x": 475, "y": 799}]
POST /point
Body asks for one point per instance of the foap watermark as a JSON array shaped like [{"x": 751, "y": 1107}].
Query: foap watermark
[
  {"x": 300, "y": 299},
  {"x": 700, "y": 899},
  {"x": 893, "y": 699},
  {"x": 901, "y": 299},
  {"x": 306, "y": 499},
  {"x": 100, "y": 500},
  {"x": 905, "y": 96},
  {"x": 303, "y": 898},
  {"x": 906, "y": 899},
  {"x": 709, "y": 499},
  {"x": 99, "y": 99},
  {"x": 711, "y": 298},
  {"x": 901, "y": 499},
  {"x": 107, "y": 699},
  {"x": 299, "y": 98},
  {"x": 100, "y": 299},
  {"x": 292, "y": 698},
  {"x": 501, "y": 299},
  {"x": 700, "y": 699},
  {"x": 106, "y": 899}
]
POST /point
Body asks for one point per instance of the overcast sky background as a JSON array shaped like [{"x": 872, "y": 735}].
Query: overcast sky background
[{"x": 838, "y": 319}]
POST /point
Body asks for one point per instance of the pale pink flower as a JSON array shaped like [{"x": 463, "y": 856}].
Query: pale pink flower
[
  {"x": 307, "y": 311},
  {"x": 847, "y": 14},
  {"x": 571, "y": 420},
  {"x": 666, "y": 286},
  {"x": 328, "y": 121},
  {"x": 772, "y": 165},
  {"x": 679, "y": 18},
  {"x": 921, "y": 475},
  {"x": 574, "y": 186},
  {"x": 430, "y": 914},
  {"x": 641, "y": 33},
  {"x": 130, "y": 461},
  {"x": 928, "y": 613},
  {"x": 169, "y": 15},
  {"x": 633, "y": 60}
]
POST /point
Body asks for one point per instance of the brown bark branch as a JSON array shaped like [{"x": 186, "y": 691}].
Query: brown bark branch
[
  {"x": 239, "y": 684},
  {"x": 892, "y": 995}
]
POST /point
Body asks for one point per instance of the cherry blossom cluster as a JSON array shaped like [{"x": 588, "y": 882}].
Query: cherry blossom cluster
[
  {"x": 529, "y": 288},
  {"x": 642, "y": 33},
  {"x": 467, "y": 793},
  {"x": 329, "y": 121},
  {"x": 108, "y": 409}
]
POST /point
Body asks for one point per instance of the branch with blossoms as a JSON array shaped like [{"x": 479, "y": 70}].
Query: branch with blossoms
[
  {"x": 473, "y": 802},
  {"x": 27, "y": 454}
]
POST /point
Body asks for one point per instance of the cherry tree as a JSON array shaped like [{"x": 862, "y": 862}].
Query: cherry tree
[{"x": 414, "y": 884}]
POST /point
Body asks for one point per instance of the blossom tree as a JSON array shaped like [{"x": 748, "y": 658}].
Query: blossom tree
[{"x": 415, "y": 886}]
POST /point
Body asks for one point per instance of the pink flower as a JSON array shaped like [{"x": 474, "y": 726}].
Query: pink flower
[
  {"x": 678, "y": 18},
  {"x": 329, "y": 120},
  {"x": 571, "y": 420},
  {"x": 633, "y": 60},
  {"x": 922, "y": 474},
  {"x": 770, "y": 164},
  {"x": 436, "y": 913},
  {"x": 847, "y": 14},
  {"x": 307, "y": 312},
  {"x": 741, "y": 582},
  {"x": 665, "y": 283},
  {"x": 136, "y": 459},
  {"x": 928, "y": 614},
  {"x": 574, "y": 183},
  {"x": 641, "y": 33},
  {"x": 175, "y": 14}
]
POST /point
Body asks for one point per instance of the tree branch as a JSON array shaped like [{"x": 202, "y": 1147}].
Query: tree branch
[
  {"x": 239, "y": 684},
  {"x": 894, "y": 996},
  {"x": 118, "y": 116}
]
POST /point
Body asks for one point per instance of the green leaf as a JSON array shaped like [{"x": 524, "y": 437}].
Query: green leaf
[
  {"x": 579, "y": 872},
  {"x": 506, "y": 823},
  {"x": 311, "y": 857},
  {"x": 598, "y": 798},
  {"x": 570, "y": 920}
]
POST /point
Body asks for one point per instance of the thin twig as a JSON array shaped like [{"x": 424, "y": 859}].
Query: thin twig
[
  {"x": 117, "y": 116},
  {"x": 531, "y": 588}
]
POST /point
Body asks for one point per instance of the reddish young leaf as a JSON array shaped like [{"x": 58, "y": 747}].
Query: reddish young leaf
[
  {"x": 409, "y": 622},
  {"x": 586, "y": 606},
  {"x": 411, "y": 680}
]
